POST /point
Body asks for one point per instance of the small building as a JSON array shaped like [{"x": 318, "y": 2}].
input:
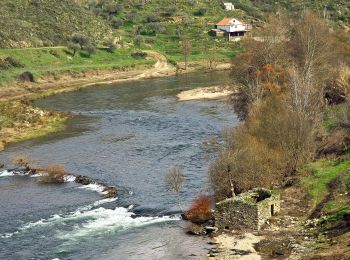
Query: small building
[
  {"x": 233, "y": 28},
  {"x": 228, "y": 6},
  {"x": 216, "y": 33},
  {"x": 248, "y": 210}
]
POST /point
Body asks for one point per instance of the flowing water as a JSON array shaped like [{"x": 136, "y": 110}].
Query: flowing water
[{"x": 127, "y": 135}]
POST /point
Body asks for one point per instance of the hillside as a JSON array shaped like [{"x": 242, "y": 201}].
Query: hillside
[{"x": 32, "y": 23}]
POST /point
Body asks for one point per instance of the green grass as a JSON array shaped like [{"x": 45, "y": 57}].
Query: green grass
[
  {"x": 339, "y": 214},
  {"x": 47, "y": 22},
  {"x": 323, "y": 171},
  {"x": 54, "y": 61}
]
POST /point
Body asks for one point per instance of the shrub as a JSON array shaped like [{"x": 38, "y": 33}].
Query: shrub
[
  {"x": 139, "y": 40},
  {"x": 132, "y": 16},
  {"x": 9, "y": 63},
  {"x": 201, "y": 11},
  {"x": 152, "y": 18},
  {"x": 80, "y": 39},
  {"x": 139, "y": 55},
  {"x": 74, "y": 47},
  {"x": 14, "y": 63},
  {"x": 200, "y": 210},
  {"x": 169, "y": 11},
  {"x": 22, "y": 161},
  {"x": 111, "y": 46},
  {"x": 54, "y": 174},
  {"x": 90, "y": 49},
  {"x": 116, "y": 22}
]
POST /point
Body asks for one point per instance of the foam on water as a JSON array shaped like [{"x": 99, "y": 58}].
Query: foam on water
[
  {"x": 6, "y": 173},
  {"x": 94, "y": 187},
  {"x": 54, "y": 219},
  {"x": 69, "y": 178},
  {"x": 102, "y": 220}
]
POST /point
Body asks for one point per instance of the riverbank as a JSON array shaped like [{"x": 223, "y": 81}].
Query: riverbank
[
  {"x": 50, "y": 121},
  {"x": 21, "y": 121},
  {"x": 66, "y": 82},
  {"x": 214, "y": 92}
]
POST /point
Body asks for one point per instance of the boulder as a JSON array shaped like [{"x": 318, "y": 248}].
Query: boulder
[
  {"x": 27, "y": 76},
  {"x": 84, "y": 180},
  {"x": 110, "y": 192}
]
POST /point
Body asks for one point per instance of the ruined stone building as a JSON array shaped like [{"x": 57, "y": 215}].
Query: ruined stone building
[{"x": 248, "y": 210}]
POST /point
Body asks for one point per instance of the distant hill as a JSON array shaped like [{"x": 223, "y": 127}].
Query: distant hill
[{"x": 30, "y": 23}]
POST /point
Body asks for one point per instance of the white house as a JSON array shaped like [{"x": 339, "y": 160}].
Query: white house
[
  {"x": 229, "y": 6},
  {"x": 233, "y": 27}
]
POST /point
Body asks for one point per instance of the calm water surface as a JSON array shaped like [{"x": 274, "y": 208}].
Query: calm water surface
[{"x": 127, "y": 135}]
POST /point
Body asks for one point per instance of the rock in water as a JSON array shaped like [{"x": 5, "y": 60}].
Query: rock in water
[
  {"x": 84, "y": 180},
  {"x": 110, "y": 192}
]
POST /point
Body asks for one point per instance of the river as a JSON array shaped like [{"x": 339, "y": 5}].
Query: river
[{"x": 127, "y": 135}]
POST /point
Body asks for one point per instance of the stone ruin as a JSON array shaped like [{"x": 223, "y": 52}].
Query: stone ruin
[{"x": 248, "y": 210}]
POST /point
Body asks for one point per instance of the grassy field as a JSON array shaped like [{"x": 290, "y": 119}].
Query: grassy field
[
  {"x": 53, "y": 61},
  {"x": 318, "y": 181}
]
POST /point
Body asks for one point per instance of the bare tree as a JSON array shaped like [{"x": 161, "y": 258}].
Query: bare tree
[
  {"x": 186, "y": 50},
  {"x": 174, "y": 180}
]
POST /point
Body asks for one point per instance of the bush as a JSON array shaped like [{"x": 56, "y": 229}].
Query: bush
[
  {"x": 116, "y": 22},
  {"x": 200, "y": 210},
  {"x": 201, "y": 11},
  {"x": 90, "y": 49},
  {"x": 22, "y": 161},
  {"x": 139, "y": 55},
  {"x": 139, "y": 40},
  {"x": 152, "y": 18},
  {"x": 111, "y": 46},
  {"x": 14, "y": 63},
  {"x": 54, "y": 174},
  {"x": 132, "y": 16},
  {"x": 9, "y": 63},
  {"x": 171, "y": 11}
]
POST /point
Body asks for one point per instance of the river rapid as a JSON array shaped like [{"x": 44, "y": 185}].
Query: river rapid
[{"x": 127, "y": 135}]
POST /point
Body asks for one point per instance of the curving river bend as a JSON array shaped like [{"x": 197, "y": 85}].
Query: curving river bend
[{"x": 127, "y": 135}]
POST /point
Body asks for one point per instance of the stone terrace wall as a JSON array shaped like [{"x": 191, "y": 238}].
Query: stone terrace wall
[
  {"x": 246, "y": 211},
  {"x": 236, "y": 214},
  {"x": 267, "y": 208}
]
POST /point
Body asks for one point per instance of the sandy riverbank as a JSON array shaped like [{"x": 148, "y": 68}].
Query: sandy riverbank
[
  {"x": 240, "y": 246},
  {"x": 214, "y": 92}
]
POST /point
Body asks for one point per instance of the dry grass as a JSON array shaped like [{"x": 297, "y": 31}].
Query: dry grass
[
  {"x": 21, "y": 160},
  {"x": 54, "y": 174}
]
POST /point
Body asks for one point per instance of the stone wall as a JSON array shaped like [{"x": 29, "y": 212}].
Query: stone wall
[{"x": 249, "y": 210}]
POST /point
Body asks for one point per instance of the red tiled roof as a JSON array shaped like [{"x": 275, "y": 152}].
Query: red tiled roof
[{"x": 225, "y": 21}]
